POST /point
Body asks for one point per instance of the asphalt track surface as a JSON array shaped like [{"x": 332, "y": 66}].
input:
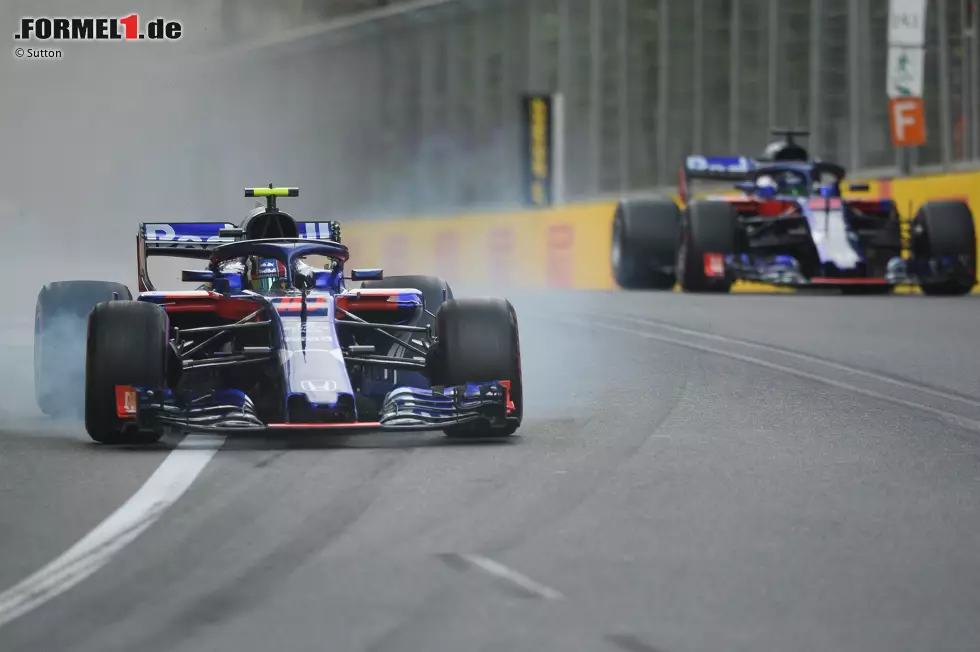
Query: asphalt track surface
[{"x": 749, "y": 473}]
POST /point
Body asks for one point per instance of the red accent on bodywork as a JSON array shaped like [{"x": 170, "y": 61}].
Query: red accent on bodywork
[
  {"x": 204, "y": 301},
  {"x": 848, "y": 281},
  {"x": 190, "y": 294},
  {"x": 866, "y": 204},
  {"x": 125, "y": 402},
  {"x": 714, "y": 265},
  {"x": 367, "y": 301},
  {"x": 197, "y": 306},
  {"x": 821, "y": 204},
  {"x": 295, "y": 304},
  {"x": 750, "y": 207},
  {"x": 740, "y": 202},
  {"x": 775, "y": 208},
  {"x": 377, "y": 292},
  {"x": 510, "y": 404}
]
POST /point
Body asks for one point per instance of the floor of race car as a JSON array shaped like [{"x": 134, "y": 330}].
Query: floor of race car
[{"x": 743, "y": 472}]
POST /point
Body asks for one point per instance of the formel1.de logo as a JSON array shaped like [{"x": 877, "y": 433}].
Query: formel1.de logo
[{"x": 125, "y": 28}]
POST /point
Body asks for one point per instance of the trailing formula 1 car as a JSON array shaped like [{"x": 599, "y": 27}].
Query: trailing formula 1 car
[
  {"x": 274, "y": 340},
  {"x": 789, "y": 225}
]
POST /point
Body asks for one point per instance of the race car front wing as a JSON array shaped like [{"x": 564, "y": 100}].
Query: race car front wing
[
  {"x": 404, "y": 408},
  {"x": 786, "y": 271}
]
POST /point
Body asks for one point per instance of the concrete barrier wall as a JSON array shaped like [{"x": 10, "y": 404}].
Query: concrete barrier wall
[
  {"x": 560, "y": 248},
  {"x": 565, "y": 247}
]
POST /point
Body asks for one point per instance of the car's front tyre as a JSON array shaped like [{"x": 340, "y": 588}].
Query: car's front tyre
[
  {"x": 478, "y": 341},
  {"x": 709, "y": 228},
  {"x": 127, "y": 345},
  {"x": 944, "y": 231}
]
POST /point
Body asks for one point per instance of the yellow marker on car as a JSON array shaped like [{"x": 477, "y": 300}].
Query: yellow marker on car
[{"x": 272, "y": 192}]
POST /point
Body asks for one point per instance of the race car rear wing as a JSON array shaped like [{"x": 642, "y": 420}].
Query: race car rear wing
[
  {"x": 200, "y": 239},
  {"x": 184, "y": 239},
  {"x": 713, "y": 168}
]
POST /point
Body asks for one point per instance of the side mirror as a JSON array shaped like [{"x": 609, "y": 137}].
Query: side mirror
[
  {"x": 367, "y": 275},
  {"x": 860, "y": 187},
  {"x": 321, "y": 280},
  {"x": 221, "y": 285},
  {"x": 745, "y": 186},
  {"x": 196, "y": 275}
]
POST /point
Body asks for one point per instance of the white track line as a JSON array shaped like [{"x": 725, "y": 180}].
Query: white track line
[
  {"x": 95, "y": 549},
  {"x": 499, "y": 570},
  {"x": 949, "y": 417}
]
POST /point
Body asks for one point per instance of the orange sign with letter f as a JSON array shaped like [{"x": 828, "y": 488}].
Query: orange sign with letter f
[{"x": 908, "y": 121}]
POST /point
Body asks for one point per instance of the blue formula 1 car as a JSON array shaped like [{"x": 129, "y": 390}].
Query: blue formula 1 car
[
  {"x": 789, "y": 225},
  {"x": 274, "y": 340}
]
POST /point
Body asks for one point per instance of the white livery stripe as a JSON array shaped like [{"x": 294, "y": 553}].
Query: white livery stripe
[{"x": 98, "y": 547}]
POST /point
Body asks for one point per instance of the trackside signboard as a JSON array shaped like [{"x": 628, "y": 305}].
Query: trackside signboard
[
  {"x": 537, "y": 149},
  {"x": 907, "y": 23},
  {"x": 906, "y": 71}
]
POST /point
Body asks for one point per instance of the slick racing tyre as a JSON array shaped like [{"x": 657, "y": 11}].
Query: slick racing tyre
[
  {"x": 60, "y": 320},
  {"x": 478, "y": 341},
  {"x": 128, "y": 344},
  {"x": 708, "y": 227},
  {"x": 644, "y": 244},
  {"x": 945, "y": 229}
]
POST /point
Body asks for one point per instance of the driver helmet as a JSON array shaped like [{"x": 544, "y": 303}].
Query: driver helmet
[
  {"x": 786, "y": 183},
  {"x": 791, "y": 184},
  {"x": 767, "y": 185},
  {"x": 267, "y": 274}
]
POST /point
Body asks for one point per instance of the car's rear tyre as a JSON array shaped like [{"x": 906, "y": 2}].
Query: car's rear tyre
[
  {"x": 479, "y": 341},
  {"x": 127, "y": 345},
  {"x": 945, "y": 229},
  {"x": 644, "y": 244},
  {"x": 60, "y": 322},
  {"x": 708, "y": 227}
]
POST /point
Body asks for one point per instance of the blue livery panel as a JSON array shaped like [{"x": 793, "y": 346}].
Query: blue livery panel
[
  {"x": 312, "y": 357},
  {"x": 205, "y": 235},
  {"x": 316, "y": 231},
  {"x": 185, "y": 235},
  {"x": 718, "y": 167}
]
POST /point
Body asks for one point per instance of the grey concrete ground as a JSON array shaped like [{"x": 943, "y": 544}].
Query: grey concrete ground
[{"x": 695, "y": 473}]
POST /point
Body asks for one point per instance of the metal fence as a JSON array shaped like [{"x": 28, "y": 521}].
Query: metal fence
[{"x": 417, "y": 112}]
